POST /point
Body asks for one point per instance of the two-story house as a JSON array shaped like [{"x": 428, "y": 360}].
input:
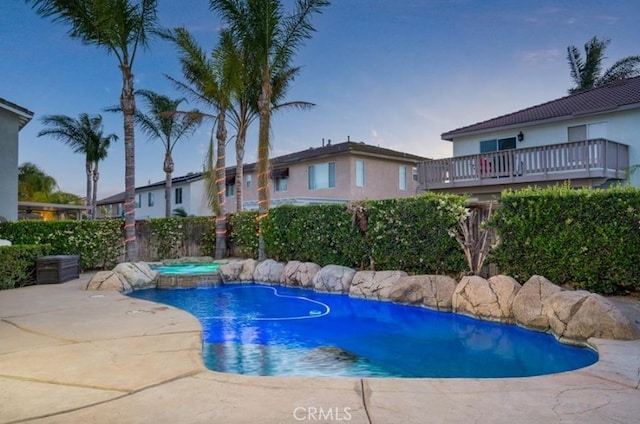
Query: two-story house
[
  {"x": 330, "y": 173},
  {"x": 588, "y": 138}
]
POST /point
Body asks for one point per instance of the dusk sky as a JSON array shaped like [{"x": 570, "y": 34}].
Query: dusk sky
[{"x": 393, "y": 73}]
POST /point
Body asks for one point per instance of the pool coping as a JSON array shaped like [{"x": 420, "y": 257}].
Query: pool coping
[{"x": 70, "y": 355}]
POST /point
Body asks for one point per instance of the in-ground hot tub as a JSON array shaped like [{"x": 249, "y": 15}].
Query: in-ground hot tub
[{"x": 187, "y": 275}]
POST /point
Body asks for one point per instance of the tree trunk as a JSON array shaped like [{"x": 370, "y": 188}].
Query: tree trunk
[
  {"x": 128, "y": 105},
  {"x": 221, "y": 217},
  {"x": 89, "y": 171},
  {"x": 264, "y": 108},
  {"x": 241, "y": 139},
  {"x": 168, "y": 170},
  {"x": 94, "y": 202}
]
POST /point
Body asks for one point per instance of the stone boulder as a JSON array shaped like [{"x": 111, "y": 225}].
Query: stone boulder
[
  {"x": 528, "y": 305},
  {"x": 138, "y": 274},
  {"x": 432, "y": 291},
  {"x": 230, "y": 272},
  {"x": 300, "y": 274},
  {"x": 247, "y": 270},
  {"x": 579, "y": 315},
  {"x": 333, "y": 279},
  {"x": 374, "y": 284},
  {"x": 268, "y": 271},
  {"x": 109, "y": 281},
  {"x": 486, "y": 299}
]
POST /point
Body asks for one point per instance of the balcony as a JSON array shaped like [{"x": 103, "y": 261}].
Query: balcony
[{"x": 585, "y": 163}]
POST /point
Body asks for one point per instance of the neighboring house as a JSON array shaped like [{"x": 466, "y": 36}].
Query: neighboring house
[
  {"x": 332, "y": 173},
  {"x": 12, "y": 119},
  {"x": 589, "y": 138}
]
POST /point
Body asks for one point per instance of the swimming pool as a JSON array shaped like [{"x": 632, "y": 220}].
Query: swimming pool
[{"x": 265, "y": 330}]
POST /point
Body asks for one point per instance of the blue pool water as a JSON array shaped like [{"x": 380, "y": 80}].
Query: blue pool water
[{"x": 264, "y": 330}]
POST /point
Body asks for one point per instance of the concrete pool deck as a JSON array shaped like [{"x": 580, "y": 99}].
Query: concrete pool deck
[{"x": 68, "y": 355}]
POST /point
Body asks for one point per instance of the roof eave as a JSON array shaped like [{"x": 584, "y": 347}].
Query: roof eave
[{"x": 450, "y": 136}]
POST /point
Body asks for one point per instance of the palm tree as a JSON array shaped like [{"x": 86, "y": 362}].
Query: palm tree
[
  {"x": 85, "y": 136},
  {"x": 587, "y": 72},
  {"x": 34, "y": 183},
  {"x": 271, "y": 40},
  {"x": 208, "y": 80},
  {"x": 121, "y": 27},
  {"x": 165, "y": 122}
]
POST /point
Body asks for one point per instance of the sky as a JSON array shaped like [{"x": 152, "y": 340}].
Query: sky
[{"x": 391, "y": 73}]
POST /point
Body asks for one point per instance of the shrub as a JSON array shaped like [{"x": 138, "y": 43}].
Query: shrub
[
  {"x": 324, "y": 234},
  {"x": 412, "y": 234},
  {"x": 243, "y": 233},
  {"x": 18, "y": 264},
  {"x": 589, "y": 238},
  {"x": 99, "y": 243}
]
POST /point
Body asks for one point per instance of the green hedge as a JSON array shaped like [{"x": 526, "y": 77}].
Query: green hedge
[
  {"x": 323, "y": 234},
  {"x": 589, "y": 238},
  {"x": 243, "y": 233},
  {"x": 412, "y": 234},
  {"x": 168, "y": 235},
  {"x": 97, "y": 242},
  {"x": 18, "y": 264}
]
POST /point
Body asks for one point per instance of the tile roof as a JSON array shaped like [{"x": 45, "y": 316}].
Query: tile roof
[
  {"x": 281, "y": 161},
  {"x": 622, "y": 94}
]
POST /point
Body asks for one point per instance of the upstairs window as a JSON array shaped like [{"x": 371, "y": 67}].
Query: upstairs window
[
  {"x": 322, "y": 175},
  {"x": 360, "y": 173},
  {"x": 414, "y": 173},
  {"x": 280, "y": 184},
  {"x": 248, "y": 181},
  {"x": 497, "y": 144},
  {"x": 402, "y": 177},
  {"x": 178, "y": 195},
  {"x": 230, "y": 189},
  {"x": 150, "y": 199},
  {"x": 138, "y": 201}
]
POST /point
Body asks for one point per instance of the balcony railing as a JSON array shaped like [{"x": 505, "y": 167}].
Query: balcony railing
[{"x": 598, "y": 158}]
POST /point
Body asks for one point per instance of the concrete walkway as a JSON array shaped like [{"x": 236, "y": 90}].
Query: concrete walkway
[{"x": 72, "y": 356}]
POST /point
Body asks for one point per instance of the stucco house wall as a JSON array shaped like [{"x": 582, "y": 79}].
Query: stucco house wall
[{"x": 12, "y": 119}]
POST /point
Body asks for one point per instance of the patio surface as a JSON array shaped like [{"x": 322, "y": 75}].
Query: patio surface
[{"x": 69, "y": 356}]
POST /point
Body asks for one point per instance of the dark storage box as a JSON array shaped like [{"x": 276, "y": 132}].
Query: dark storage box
[{"x": 57, "y": 269}]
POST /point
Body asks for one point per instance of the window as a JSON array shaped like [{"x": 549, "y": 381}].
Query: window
[
  {"x": 402, "y": 177},
  {"x": 495, "y": 145},
  {"x": 587, "y": 132},
  {"x": 138, "y": 200},
  {"x": 414, "y": 173},
  {"x": 119, "y": 209},
  {"x": 150, "y": 199},
  {"x": 280, "y": 184},
  {"x": 322, "y": 175},
  {"x": 178, "y": 196},
  {"x": 230, "y": 189},
  {"x": 247, "y": 181},
  {"x": 360, "y": 173}
]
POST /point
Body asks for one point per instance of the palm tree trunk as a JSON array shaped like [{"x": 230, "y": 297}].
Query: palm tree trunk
[
  {"x": 241, "y": 139},
  {"x": 221, "y": 217},
  {"x": 168, "y": 170},
  {"x": 89, "y": 171},
  {"x": 264, "y": 108},
  {"x": 94, "y": 202},
  {"x": 128, "y": 105}
]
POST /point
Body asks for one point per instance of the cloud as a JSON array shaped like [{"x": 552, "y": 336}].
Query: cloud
[{"x": 540, "y": 57}]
